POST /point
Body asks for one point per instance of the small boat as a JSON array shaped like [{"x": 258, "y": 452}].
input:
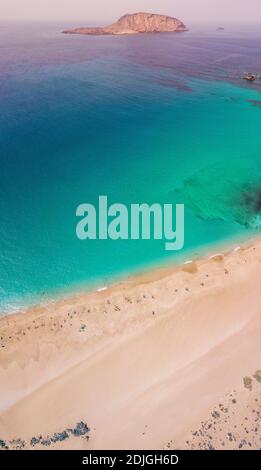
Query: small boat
[{"x": 250, "y": 77}]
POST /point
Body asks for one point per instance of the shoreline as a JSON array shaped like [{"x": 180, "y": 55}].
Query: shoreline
[
  {"x": 151, "y": 270},
  {"x": 143, "y": 351}
]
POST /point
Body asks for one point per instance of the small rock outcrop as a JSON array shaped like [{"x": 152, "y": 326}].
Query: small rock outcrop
[{"x": 136, "y": 23}]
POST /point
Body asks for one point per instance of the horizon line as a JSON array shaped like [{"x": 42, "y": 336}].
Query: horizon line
[{"x": 100, "y": 20}]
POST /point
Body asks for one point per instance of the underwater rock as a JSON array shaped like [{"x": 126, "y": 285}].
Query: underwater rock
[{"x": 224, "y": 192}]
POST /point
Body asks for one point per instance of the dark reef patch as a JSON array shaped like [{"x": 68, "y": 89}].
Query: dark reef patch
[
  {"x": 171, "y": 83},
  {"x": 249, "y": 207},
  {"x": 256, "y": 103},
  {"x": 252, "y": 200},
  {"x": 229, "y": 191}
]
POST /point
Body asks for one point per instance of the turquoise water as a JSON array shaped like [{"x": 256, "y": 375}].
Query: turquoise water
[{"x": 82, "y": 118}]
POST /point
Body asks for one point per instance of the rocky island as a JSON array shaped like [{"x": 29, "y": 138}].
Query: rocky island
[{"x": 135, "y": 24}]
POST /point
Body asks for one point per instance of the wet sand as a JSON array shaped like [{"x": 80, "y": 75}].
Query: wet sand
[{"x": 170, "y": 359}]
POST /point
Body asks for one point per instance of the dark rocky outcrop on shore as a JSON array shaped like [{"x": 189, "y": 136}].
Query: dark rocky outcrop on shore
[
  {"x": 81, "y": 430},
  {"x": 135, "y": 24}
]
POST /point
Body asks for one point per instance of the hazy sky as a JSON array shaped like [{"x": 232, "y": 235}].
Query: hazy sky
[{"x": 107, "y": 10}]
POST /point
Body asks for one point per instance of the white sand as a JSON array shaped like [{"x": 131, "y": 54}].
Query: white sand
[{"x": 143, "y": 363}]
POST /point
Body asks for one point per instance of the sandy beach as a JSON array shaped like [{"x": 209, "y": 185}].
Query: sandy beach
[{"x": 167, "y": 360}]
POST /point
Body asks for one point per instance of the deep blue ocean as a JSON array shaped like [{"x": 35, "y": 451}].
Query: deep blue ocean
[{"x": 146, "y": 118}]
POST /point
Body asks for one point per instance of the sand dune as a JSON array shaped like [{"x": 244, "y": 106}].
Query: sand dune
[{"x": 143, "y": 363}]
